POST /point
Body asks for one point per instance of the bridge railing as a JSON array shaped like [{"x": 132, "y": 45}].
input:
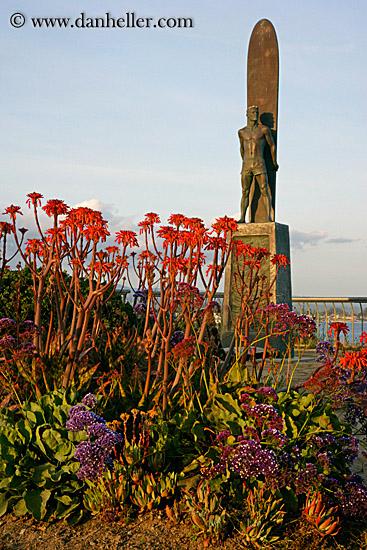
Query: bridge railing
[{"x": 324, "y": 310}]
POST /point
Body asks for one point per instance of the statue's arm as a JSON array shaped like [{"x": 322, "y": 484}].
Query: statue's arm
[
  {"x": 269, "y": 139},
  {"x": 241, "y": 143}
]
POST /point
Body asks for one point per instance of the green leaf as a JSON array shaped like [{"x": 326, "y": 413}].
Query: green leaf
[
  {"x": 36, "y": 501},
  {"x": 25, "y": 430},
  {"x": 64, "y": 510},
  {"x": 228, "y": 403},
  {"x": 34, "y": 412},
  {"x": 39, "y": 439},
  {"x": 20, "y": 508},
  {"x": 198, "y": 431},
  {"x": 18, "y": 482},
  {"x": 61, "y": 414},
  {"x": 67, "y": 500},
  {"x": 9, "y": 436},
  {"x": 3, "y": 504},
  {"x": 290, "y": 499},
  {"x": 8, "y": 452},
  {"x": 5, "y": 483},
  {"x": 60, "y": 447},
  {"x": 74, "y": 517},
  {"x": 306, "y": 401},
  {"x": 291, "y": 425},
  {"x": 44, "y": 472}
]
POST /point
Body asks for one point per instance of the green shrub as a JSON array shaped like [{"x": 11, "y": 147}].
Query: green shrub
[{"x": 37, "y": 470}]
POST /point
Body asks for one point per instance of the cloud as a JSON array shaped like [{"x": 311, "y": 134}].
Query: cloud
[
  {"x": 301, "y": 239},
  {"x": 342, "y": 240}
]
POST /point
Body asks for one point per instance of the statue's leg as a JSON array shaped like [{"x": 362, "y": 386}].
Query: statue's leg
[
  {"x": 246, "y": 180},
  {"x": 262, "y": 180}
]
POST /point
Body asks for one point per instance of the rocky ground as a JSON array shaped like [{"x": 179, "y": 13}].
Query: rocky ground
[{"x": 143, "y": 533}]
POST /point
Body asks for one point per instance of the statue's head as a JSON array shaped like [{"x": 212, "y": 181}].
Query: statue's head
[{"x": 252, "y": 112}]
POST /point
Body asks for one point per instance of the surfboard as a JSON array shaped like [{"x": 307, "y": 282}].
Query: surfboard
[{"x": 262, "y": 90}]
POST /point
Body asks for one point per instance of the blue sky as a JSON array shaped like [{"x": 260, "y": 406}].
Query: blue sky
[{"x": 138, "y": 120}]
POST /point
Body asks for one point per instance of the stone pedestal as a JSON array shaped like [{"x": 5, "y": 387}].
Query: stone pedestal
[{"x": 274, "y": 237}]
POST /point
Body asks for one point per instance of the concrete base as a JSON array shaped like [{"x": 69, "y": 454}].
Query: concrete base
[{"x": 274, "y": 237}]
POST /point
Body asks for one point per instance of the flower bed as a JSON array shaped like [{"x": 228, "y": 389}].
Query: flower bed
[{"x": 118, "y": 413}]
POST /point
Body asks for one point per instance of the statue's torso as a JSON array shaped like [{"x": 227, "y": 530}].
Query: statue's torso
[{"x": 252, "y": 143}]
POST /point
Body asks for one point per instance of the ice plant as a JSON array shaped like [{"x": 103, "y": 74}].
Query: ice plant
[{"x": 325, "y": 520}]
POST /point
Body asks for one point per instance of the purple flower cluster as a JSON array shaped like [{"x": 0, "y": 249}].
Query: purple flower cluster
[
  {"x": 305, "y": 478},
  {"x": 276, "y": 309},
  {"x": 250, "y": 460},
  {"x": 89, "y": 400},
  {"x": 274, "y": 437},
  {"x": 94, "y": 454},
  {"x": 324, "y": 459},
  {"x": 14, "y": 340},
  {"x": 354, "y": 415},
  {"x": 142, "y": 295},
  {"x": 264, "y": 415},
  {"x": 7, "y": 340},
  {"x": 286, "y": 471},
  {"x": 286, "y": 321},
  {"x": 349, "y": 448},
  {"x": 321, "y": 442},
  {"x": 245, "y": 398},
  {"x": 140, "y": 309},
  {"x": 324, "y": 350},
  {"x": 81, "y": 418},
  {"x": 353, "y": 499},
  {"x": 222, "y": 436},
  {"x": 6, "y": 323}
]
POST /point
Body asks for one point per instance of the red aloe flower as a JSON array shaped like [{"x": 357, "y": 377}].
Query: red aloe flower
[
  {"x": 151, "y": 217},
  {"x": 13, "y": 211},
  {"x": 261, "y": 252},
  {"x": 280, "y": 259},
  {"x": 96, "y": 232},
  {"x": 5, "y": 228},
  {"x": 242, "y": 249},
  {"x": 336, "y": 328},
  {"x": 195, "y": 224},
  {"x": 363, "y": 338},
  {"x": 216, "y": 243},
  {"x": 82, "y": 216},
  {"x": 212, "y": 269},
  {"x": 112, "y": 250},
  {"x": 55, "y": 207},
  {"x": 127, "y": 237},
  {"x": 354, "y": 360},
  {"x": 185, "y": 349},
  {"x": 147, "y": 225},
  {"x": 169, "y": 234},
  {"x": 56, "y": 233},
  {"x": 188, "y": 238},
  {"x": 225, "y": 224},
  {"x": 177, "y": 219},
  {"x": 34, "y": 246},
  {"x": 34, "y": 198}
]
